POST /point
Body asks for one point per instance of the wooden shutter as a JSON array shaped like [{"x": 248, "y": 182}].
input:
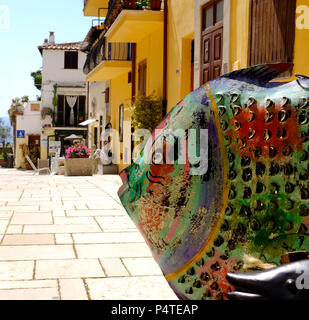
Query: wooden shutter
[
  {"x": 142, "y": 76},
  {"x": 272, "y": 31},
  {"x": 60, "y": 111},
  {"x": 107, "y": 95},
  {"x": 82, "y": 107},
  {"x": 121, "y": 119}
]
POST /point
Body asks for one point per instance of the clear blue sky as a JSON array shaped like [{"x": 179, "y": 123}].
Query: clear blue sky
[{"x": 30, "y": 23}]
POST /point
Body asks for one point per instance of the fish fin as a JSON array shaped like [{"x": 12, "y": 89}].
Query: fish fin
[{"x": 260, "y": 74}]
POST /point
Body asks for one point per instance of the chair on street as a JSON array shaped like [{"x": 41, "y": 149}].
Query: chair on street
[{"x": 35, "y": 169}]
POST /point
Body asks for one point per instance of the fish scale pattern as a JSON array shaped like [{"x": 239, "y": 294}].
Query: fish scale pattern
[{"x": 267, "y": 154}]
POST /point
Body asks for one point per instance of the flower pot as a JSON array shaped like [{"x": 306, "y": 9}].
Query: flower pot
[
  {"x": 61, "y": 171},
  {"x": 28, "y": 166},
  {"x": 3, "y": 163},
  {"x": 155, "y": 4},
  {"x": 78, "y": 167},
  {"x": 129, "y": 4}
]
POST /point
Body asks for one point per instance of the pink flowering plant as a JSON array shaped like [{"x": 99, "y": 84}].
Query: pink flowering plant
[{"x": 78, "y": 150}]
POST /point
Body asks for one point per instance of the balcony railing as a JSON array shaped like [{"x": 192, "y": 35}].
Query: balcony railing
[{"x": 102, "y": 51}]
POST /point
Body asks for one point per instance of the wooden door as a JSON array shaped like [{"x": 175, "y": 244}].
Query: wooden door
[
  {"x": 212, "y": 41},
  {"x": 34, "y": 141},
  {"x": 272, "y": 31}
]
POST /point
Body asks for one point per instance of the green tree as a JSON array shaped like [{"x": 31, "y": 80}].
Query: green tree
[
  {"x": 5, "y": 133},
  {"x": 37, "y": 78}
]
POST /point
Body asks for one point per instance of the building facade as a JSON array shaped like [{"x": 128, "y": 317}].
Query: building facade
[
  {"x": 171, "y": 50},
  {"x": 27, "y": 132},
  {"x": 64, "y": 94}
]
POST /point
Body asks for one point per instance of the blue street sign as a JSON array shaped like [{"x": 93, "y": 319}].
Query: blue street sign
[{"x": 20, "y": 134}]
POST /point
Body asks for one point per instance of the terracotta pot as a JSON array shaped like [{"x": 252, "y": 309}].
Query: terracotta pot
[
  {"x": 3, "y": 163},
  {"x": 130, "y": 4},
  {"x": 28, "y": 166},
  {"x": 78, "y": 167},
  {"x": 155, "y": 4}
]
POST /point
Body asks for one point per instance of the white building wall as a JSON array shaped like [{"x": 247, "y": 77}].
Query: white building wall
[
  {"x": 97, "y": 100},
  {"x": 30, "y": 121},
  {"x": 97, "y": 108},
  {"x": 54, "y": 72}
]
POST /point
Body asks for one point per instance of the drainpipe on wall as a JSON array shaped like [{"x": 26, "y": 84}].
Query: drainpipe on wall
[
  {"x": 88, "y": 111},
  {"x": 164, "y": 111}
]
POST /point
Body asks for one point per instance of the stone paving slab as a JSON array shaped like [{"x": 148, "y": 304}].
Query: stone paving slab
[
  {"x": 113, "y": 250},
  {"x": 114, "y": 267},
  {"x": 27, "y": 239},
  {"x": 116, "y": 237},
  {"x": 28, "y": 284},
  {"x": 34, "y": 252},
  {"x": 30, "y": 294},
  {"x": 31, "y": 218},
  {"x": 16, "y": 270},
  {"x": 68, "y": 269},
  {"x": 73, "y": 289},
  {"x": 69, "y": 238},
  {"x": 137, "y": 288}
]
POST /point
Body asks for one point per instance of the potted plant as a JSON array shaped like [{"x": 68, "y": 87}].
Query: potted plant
[
  {"x": 80, "y": 117},
  {"x": 61, "y": 169},
  {"x": 146, "y": 113},
  {"x": 34, "y": 154},
  {"x": 25, "y": 99},
  {"x": 26, "y": 152},
  {"x": 129, "y": 4},
  {"x": 141, "y": 4},
  {"x": 77, "y": 162},
  {"x": 46, "y": 112},
  {"x": 155, "y": 4},
  {"x": 3, "y": 160}
]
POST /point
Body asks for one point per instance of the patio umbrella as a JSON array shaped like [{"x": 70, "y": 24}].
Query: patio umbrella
[{"x": 73, "y": 137}]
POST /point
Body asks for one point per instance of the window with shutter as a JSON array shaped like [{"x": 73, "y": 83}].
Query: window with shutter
[
  {"x": 272, "y": 31},
  {"x": 81, "y": 108},
  {"x": 70, "y": 60},
  {"x": 142, "y": 76},
  {"x": 121, "y": 119},
  {"x": 60, "y": 111},
  {"x": 107, "y": 95}
]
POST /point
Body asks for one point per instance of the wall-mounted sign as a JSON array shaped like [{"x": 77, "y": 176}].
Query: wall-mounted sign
[
  {"x": 20, "y": 134},
  {"x": 44, "y": 141},
  {"x": 54, "y": 146},
  {"x": 35, "y": 107}
]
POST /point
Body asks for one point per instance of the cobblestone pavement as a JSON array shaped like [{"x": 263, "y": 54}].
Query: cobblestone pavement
[{"x": 69, "y": 238}]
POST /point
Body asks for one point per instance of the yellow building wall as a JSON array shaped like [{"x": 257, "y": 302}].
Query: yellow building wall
[
  {"x": 92, "y": 131},
  {"x": 301, "y": 49},
  {"x": 180, "y": 35},
  {"x": 240, "y": 26},
  {"x": 44, "y": 149},
  {"x": 151, "y": 50},
  {"x": 120, "y": 93},
  {"x": 19, "y": 157}
]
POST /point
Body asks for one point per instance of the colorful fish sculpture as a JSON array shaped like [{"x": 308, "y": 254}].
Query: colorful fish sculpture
[{"x": 252, "y": 201}]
